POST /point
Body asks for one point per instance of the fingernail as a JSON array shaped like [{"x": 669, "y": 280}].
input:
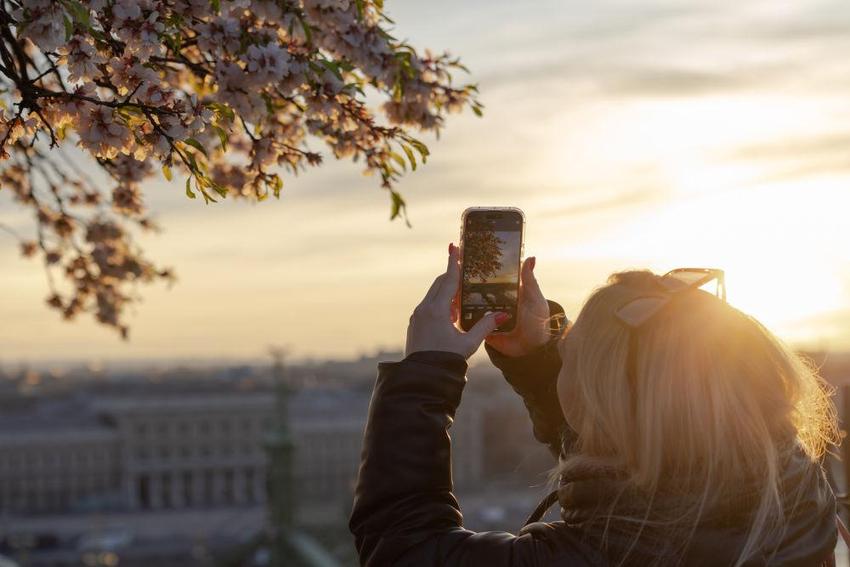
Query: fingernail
[
  {"x": 532, "y": 261},
  {"x": 451, "y": 248},
  {"x": 502, "y": 317}
]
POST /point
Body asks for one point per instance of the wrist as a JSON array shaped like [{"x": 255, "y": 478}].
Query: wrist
[{"x": 446, "y": 360}]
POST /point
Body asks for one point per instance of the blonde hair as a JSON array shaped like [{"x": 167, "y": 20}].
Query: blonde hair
[{"x": 718, "y": 399}]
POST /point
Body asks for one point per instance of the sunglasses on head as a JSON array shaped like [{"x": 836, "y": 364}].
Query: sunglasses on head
[{"x": 638, "y": 311}]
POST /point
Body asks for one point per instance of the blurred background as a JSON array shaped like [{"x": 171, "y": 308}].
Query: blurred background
[{"x": 656, "y": 134}]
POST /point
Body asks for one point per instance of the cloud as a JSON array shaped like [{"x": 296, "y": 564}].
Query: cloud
[
  {"x": 623, "y": 200},
  {"x": 791, "y": 148},
  {"x": 662, "y": 50},
  {"x": 800, "y": 157}
]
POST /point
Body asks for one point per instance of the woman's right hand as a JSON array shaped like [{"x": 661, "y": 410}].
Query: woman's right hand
[{"x": 532, "y": 327}]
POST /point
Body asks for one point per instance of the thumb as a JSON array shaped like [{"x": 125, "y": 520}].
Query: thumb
[{"x": 484, "y": 327}]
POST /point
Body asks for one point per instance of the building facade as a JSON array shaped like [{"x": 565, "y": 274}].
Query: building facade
[{"x": 206, "y": 449}]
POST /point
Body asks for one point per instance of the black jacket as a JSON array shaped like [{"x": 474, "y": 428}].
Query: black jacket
[{"x": 405, "y": 513}]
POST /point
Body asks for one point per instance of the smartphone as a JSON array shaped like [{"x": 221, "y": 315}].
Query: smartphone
[{"x": 491, "y": 244}]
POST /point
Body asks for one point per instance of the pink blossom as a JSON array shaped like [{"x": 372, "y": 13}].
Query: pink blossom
[
  {"x": 228, "y": 95},
  {"x": 101, "y": 134}
]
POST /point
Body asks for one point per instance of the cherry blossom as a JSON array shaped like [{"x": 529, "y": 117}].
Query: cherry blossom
[{"x": 229, "y": 97}]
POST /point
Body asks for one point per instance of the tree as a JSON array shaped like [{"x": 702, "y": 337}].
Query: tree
[
  {"x": 482, "y": 254},
  {"x": 227, "y": 93}
]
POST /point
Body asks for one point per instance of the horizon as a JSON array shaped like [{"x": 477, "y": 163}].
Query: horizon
[{"x": 625, "y": 142}]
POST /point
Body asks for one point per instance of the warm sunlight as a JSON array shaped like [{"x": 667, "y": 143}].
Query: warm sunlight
[
  {"x": 709, "y": 186},
  {"x": 242, "y": 301},
  {"x": 764, "y": 237}
]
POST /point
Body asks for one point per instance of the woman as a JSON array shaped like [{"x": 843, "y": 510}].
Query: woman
[{"x": 686, "y": 434}]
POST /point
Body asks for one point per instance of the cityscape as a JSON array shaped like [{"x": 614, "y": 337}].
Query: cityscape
[
  {"x": 218, "y": 218},
  {"x": 172, "y": 467}
]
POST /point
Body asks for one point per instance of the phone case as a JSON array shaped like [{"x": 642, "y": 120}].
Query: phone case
[{"x": 502, "y": 209}]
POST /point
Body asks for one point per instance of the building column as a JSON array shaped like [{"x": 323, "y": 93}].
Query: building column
[
  {"x": 177, "y": 500},
  {"x": 218, "y": 487},
  {"x": 239, "y": 496},
  {"x": 131, "y": 491},
  {"x": 156, "y": 490},
  {"x": 260, "y": 495},
  {"x": 198, "y": 488}
]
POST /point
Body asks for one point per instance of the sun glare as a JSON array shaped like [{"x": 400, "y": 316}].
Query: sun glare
[{"x": 720, "y": 210}]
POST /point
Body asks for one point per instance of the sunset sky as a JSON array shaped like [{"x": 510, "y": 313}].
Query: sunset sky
[{"x": 632, "y": 134}]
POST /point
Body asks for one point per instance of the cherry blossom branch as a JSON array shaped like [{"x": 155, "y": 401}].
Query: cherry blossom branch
[{"x": 235, "y": 92}]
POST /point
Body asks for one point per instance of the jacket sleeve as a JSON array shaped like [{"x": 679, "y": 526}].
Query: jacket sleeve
[
  {"x": 535, "y": 377},
  {"x": 404, "y": 510}
]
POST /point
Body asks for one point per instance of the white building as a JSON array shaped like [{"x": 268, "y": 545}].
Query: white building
[{"x": 205, "y": 449}]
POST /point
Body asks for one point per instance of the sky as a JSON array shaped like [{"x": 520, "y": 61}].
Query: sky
[{"x": 653, "y": 134}]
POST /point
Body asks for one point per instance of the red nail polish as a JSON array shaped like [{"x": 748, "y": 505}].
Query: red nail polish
[
  {"x": 451, "y": 248},
  {"x": 502, "y": 317},
  {"x": 533, "y": 262}
]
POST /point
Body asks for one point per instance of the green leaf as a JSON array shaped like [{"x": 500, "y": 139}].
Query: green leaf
[
  {"x": 222, "y": 109},
  {"x": 216, "y": 5},
  {"x": 79, "y": 12},
  {"x": 197, "y": 145},
  {"x": 166, "y": 171},
  {"x": 410, "y": 156},
  {"x": 421, "y": 148},
  {"x": 69, "y": 27},
  {"x": 477, "y": 110},
  {"x": 398, "y": 208},
  {"x": 222, "y": 137},
  {"x": 397, "y": 204},
  {"x": 189, "y": 188},
  {"x": 193, "y": 164},
  {"x": 220, "y": 189},
  {"x": 333, "y": 67},
  {"x": 308, "y": 33},
  {"x": 175, "y": 42},
  {"x": 399, "y": 160},
  {"x": 277, "y": 186}
]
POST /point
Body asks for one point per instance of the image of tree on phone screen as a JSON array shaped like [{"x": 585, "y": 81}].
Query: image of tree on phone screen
[{"x": 490, "y": 264}]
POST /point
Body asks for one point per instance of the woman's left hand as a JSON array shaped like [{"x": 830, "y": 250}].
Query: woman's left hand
[{"x": 432, "y": 325}]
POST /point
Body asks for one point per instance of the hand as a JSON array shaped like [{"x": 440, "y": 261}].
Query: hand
[
  {"x": 532, "y": 327},
  {"x": 432, "y": 325}
]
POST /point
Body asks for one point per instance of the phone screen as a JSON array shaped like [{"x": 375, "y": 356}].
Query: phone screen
[{"x": 492, "y": 244}]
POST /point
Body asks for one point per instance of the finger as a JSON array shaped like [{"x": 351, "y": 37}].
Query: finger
[
  {"x": 438, "y": 282},
  {"x": 497, "y": 340},
  {"x": 484, "y": 327},
  {"x": 529, "y": 287},
  {"x": 451, "y": 282},
  {"x": 432, "y": 291}
]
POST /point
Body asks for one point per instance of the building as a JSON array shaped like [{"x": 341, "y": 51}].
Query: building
[{"x": 181, "y": 450}]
